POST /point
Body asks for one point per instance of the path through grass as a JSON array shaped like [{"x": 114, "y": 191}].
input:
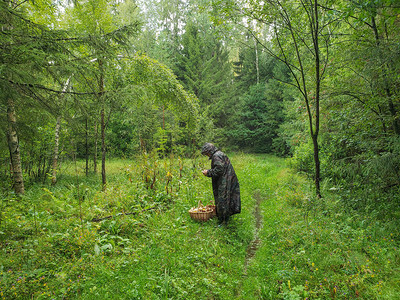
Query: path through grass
[{"x": 284, "y": 244}]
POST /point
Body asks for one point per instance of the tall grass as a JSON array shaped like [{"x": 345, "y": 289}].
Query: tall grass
[
  {"x": 317, "y": 249},
  {"x": 137, "y": 241}
]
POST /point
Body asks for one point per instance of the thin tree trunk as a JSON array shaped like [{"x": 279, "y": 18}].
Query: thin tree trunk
[
  {"x": 163, "y": 117},
  {"x": 57, "y": 140},
  {"x": 103, "y": 135},
  {"x": 317, "y": 99},
  {"x": 392, "y": 109},
  {"x": 55, "y": 154},
  {"x": 44, "y": 166},
  {"x": 13, "y": 146},
  {"x": 39, "y": 167},
  {"x": 314, "y": 130},
  {"x": 48, "y": 167},
  {"x": 393, "y": 112},
  {"x": 96, "y": 132},
  {"x": 103, "y": 151},
  {"x": 257, "y": 62},
  {"x": 317, "y": 167},
  {"x": 87, "y": 147}
]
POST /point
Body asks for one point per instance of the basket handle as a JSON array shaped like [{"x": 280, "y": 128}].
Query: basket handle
[{"x": 198, "y": 204}]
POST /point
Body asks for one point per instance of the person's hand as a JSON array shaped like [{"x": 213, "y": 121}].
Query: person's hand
[{"x": 205, "y": 172}]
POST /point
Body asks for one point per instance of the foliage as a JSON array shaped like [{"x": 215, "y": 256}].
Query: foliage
[
  {"x": 83, "y": 60},
  {"x": 258, "y": 120},
  {"x": 155, "y": 99},
  {"x": 203, "y": 67},
  {"x": 55, "y": 253},
  {"x": 257, "y": 78},
  {"x": 51, "y": 247},
  {"x": 359, "y": 133},
  {"x": 245, "y": 66},
  {"x": 320, "y": 249}
]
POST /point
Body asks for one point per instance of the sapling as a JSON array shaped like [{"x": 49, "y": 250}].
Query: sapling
[{"x": 77, "y": 191}]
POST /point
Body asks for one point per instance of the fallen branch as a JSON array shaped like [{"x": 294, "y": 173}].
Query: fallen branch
[{"x": 124, "y": 214}]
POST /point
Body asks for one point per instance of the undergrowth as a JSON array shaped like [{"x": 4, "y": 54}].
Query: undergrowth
[
  {"x": 135, "y": 240},
  {"x": 321, "y": 249}
]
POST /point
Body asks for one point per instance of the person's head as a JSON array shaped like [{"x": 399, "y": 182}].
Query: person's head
[{"x": 208, "y": 149}]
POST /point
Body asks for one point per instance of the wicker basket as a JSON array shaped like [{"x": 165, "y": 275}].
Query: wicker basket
[
  {"x": 214, "y": 211},
  {"x": 202, "y": 213}
]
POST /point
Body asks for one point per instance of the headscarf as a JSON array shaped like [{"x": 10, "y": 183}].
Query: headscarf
[{"x": 208, "y": 149}]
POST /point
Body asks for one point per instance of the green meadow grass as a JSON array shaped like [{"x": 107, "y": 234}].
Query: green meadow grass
[{"x": 300, "y": 247}]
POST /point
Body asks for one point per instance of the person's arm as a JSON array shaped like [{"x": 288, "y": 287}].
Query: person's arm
[{"x": 218, "y": 169}]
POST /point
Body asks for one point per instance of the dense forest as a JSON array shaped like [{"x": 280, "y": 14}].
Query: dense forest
[{"x": 87, "y": 83}]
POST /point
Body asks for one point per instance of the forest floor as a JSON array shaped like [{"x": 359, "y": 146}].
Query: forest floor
[{"x": 136, "y": 240}]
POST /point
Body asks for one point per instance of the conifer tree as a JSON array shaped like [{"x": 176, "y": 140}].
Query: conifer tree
[{"x": 204, "y": 68}]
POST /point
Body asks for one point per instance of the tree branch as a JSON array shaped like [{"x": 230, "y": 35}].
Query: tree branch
[{"x": 39, "y": 86}]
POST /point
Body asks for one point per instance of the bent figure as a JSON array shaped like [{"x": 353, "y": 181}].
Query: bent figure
[{"x": 225, "y": 183}]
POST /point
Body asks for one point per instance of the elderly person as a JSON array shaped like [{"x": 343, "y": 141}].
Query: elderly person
[{"x": 224, "y": 182}]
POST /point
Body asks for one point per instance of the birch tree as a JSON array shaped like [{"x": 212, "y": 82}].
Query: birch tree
[
  {"x": 26, "y": 45},
  {"x": 13, "y": 145}
]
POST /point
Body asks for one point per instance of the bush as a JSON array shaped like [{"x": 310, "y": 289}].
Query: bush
[{"x": 303, "y": 158}]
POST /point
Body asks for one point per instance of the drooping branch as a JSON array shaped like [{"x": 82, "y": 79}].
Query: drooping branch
[{"x": 42, "y": 87}]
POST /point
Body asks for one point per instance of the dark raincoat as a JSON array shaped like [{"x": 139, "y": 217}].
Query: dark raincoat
[{"x": 224, "y": 182}]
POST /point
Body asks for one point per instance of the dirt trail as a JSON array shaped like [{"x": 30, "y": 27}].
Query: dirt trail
[{"x": 255, "y": 243}]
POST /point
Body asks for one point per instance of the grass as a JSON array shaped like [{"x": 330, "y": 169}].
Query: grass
[{"x": 307, "y": 249}]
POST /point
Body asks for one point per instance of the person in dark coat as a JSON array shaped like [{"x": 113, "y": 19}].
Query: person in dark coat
[{"x": 225, "y": 183}]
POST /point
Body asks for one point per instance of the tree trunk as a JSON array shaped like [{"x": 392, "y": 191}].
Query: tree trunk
[
  {"x": 103, "y": 135},
  {"x": 317, "y": 167},
  {"x": 95, "y": 146},
  {"x": 257, "y": 63},
  {"x": 13, "y": 146},
  {"x": 55, "y": 154},
  {"x": 57, "y": 139},
  {"x": 393, "y": 113},
  {"x": 87, "y": 147},
  {"x": 317, "y": 100},
  {"x": 103, "y": 151},
  {"x": 163, "y": 117},
  {"x": 391, "y": 107}
]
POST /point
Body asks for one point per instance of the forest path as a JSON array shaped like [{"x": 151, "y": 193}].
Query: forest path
[
  {"x": 265, "y": 210},
  {"x": 255, "y": 243}
]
